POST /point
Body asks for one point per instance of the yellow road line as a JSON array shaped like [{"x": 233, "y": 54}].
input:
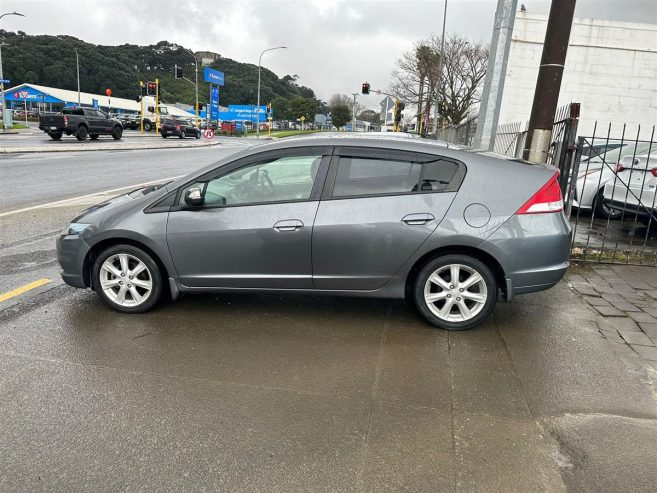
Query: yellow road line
[{"x": 23, "y": 289}]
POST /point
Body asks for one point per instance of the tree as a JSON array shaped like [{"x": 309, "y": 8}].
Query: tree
[
  {"x": 415, "y": 78},
  {"x": 370, "y": 116},
  {"x": 303, "y": 107},
  {"x": 340, "y": 108},
  {"x": 281, "y": 108}
]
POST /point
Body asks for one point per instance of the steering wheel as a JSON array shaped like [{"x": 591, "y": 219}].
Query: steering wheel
[{"x": 265, "y": 181}]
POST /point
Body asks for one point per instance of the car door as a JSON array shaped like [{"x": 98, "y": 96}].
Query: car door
[
  {"x": 377, "y": 208},
  {"x": 254, "y": 228}
]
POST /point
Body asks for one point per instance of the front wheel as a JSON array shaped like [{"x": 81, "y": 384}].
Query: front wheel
[
  {"x": 182, "y": 134},
  {"x": 602, "y": 210},
  {"x": 198, "y": 135},
  {"x": 147, "y": 126},
  {"x": 117, "y": 133},
  {"x": 455, "y": 292},
  {"x": 127, "y": 279}
]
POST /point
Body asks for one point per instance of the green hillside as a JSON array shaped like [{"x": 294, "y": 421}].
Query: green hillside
[{"x": 50, "y": 61}]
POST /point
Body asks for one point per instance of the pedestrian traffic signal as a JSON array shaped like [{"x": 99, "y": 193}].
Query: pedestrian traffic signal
[
  {"x": 151, "y": 88},
  {"x": 366, "y": 88},
  {"x": 177, "y": 72}
]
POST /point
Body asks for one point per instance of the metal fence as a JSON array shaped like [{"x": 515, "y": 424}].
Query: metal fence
[
  {"x": 462, "y": 134},
  {"x": 610, "y": 185}
]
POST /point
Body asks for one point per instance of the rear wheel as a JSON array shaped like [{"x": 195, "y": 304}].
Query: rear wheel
[
  {"x": 164, "y": 136},
  {"x": 182, "y": 134},
  {"x": 81, "y": 133},
  {"x": 198, "y": 134},
  {"x": 602, "y": 210},
  {"x": 455, "y": 292},
  {"x": 56, "y": 136},
  {"x": 117, "y": 133},
  {"x": 147, "y": 126},
  {"x": 127, "y": 279}
]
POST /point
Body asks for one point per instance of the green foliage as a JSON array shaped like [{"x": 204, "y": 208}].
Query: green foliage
[
  {"x": 301, "y": 106},
  {"x": 281, "y": 108},
  {"x": 50, "y": 61},
  {"x": 340, "y": 114},
  {"x": 370, "y": 116}
]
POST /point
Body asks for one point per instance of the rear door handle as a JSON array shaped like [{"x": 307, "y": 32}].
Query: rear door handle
[
  {"x": 418, "y": 219},
  {"x": 288, "y": 225}
]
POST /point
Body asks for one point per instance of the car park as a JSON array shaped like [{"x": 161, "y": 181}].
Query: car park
[
  {"x": 634, "y": 190},
  {"x": 178, "y": 127},
  {"x": 390, "y": 218}
]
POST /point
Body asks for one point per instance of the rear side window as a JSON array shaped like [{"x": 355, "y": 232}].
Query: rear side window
[{"x": 358, "y": 176}]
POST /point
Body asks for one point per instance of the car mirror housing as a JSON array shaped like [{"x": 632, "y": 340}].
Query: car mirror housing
[{"x": 194, "y": 197}]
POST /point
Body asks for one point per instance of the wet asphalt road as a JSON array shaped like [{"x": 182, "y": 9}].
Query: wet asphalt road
[{"x": 291, "y": 393}]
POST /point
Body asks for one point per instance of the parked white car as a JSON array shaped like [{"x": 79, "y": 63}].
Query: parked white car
[
  {"x": 596, "y": 172},
  {"x": 635, "y": 188}
]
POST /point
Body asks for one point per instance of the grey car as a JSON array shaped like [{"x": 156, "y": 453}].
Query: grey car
[{"x": 378, "y": 217}]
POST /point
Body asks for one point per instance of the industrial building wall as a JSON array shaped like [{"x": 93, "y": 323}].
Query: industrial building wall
[{"x": 611, "y": 69}]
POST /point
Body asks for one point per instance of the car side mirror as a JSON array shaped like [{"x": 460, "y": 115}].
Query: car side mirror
[{"x": 194, "y": 197}]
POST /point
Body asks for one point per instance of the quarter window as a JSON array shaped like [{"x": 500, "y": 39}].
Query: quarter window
[{"x": 365, "y": 176}]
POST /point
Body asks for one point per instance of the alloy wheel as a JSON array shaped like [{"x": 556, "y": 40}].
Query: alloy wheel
[
  {"x": 455, "y": 293},
  {"x": 126, "y": 280}
]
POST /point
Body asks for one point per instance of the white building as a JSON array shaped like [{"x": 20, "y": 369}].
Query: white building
[{"x": 611, "y": 69}]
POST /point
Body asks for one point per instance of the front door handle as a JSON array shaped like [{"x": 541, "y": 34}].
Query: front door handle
[
  {"x": 418, "y": 219},
  {"x": 288, "y": 225}
]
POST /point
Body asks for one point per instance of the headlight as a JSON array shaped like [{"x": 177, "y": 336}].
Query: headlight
[{"x": 74, "y": 229}]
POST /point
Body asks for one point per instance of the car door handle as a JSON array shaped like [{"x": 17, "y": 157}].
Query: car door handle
[
  {"x": 418, "y": 219},
  {"x": 288, "y": 225}
]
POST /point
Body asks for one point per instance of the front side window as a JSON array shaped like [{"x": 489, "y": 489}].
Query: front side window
[
  {"x": 366, "y": 176},
  {"x": 279, "y": 180}
]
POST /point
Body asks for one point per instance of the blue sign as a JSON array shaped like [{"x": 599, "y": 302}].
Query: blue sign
[
  {"x": 214, "y": 104},
  {"x": 243, "y": 112},
  {"x": 4, "y": 81},
  {"x": 27, "y": 93},
  {"x": 94, "y": 103},
  {"x": 213, "y": 76}
]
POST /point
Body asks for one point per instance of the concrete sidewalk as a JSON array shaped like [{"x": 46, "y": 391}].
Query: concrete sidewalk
[{"x": 100, "y": 145}]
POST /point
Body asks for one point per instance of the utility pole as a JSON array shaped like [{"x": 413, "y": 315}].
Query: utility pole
[
  {"x": 195, "y": 83},
  {"x": 77, "y": 63},
  {"x": 353, "y": 112},
  {"x": 548, "y": 83},
  {"x": 440, "y": 72},
  {"x": 491, "y": 98},
  {"x": 259, "y": 65}
]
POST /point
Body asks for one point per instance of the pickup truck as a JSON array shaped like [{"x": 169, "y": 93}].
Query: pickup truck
[{"x": 81, "y": 122}]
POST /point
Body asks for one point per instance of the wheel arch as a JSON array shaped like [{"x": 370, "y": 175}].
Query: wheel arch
[
  {"x": 95, "y": 250},
  {"x": 485, "y": 257}
]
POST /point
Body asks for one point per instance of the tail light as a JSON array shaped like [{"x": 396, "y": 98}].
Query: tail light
[
  {"x": 619, "y": 167},
  {"x": 654, "y": 172},
  {"x": 177, "y": 127},
  {"x": 65, "y": 120},
  {"x": 547, "y": 199}
]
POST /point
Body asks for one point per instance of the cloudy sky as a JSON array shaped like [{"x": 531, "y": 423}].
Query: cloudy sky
[{"x": 334, "y": 45}]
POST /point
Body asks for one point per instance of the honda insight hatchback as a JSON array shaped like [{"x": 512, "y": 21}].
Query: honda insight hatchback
[{"x": 356, "y": 216}]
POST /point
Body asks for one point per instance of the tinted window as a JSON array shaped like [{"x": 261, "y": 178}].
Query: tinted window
[
  {"x": 72, "y": 111},
  {"x": 280, "y": 180},
  {"x": 365, "y": 176}
]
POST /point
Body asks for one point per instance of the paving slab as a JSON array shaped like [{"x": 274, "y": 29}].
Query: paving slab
[{"x": 637, "y": 338}]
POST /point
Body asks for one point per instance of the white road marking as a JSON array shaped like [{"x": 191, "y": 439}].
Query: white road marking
[{"x": 82, "y": 198}]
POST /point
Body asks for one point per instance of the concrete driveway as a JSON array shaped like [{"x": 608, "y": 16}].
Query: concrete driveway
[{"x": 274, "y": 393}]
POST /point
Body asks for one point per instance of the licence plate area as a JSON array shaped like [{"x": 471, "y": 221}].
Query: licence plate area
[{"x": 53, "y": 128}]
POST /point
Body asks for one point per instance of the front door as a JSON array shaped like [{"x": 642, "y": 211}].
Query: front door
[
  {"x": 254, "y": 228},
  {"x": 378, "y": 208}
]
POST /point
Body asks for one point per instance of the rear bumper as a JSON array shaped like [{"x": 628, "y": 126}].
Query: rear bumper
[{"x": 533, "y": 251}]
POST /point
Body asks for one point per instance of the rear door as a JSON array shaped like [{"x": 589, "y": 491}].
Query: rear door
[{"x": 378, "y": 207}]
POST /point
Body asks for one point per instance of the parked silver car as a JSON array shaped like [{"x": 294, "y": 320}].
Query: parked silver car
[{"x": 374, "y": 217}]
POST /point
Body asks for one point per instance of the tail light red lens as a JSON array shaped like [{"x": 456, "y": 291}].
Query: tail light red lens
[
  {"x": 177, "y": 127},
  {"x": 65, "y": 120},
  {"x": 619, "y": 167},
  {"x": 547, "y": 199}
]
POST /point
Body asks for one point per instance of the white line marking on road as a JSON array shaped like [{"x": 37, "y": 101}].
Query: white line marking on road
[{"x": 90, "y": 195}]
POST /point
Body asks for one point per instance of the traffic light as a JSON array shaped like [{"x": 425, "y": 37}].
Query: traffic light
[
  {"x": 177, "y": 72},
  {"x": 269, "y": 108},
  {"x": 200, "y": 106},
  {"x": 366, "y": 87},
  {"x": 144, "y": 91},
  {"x": 150, "y": 88}
]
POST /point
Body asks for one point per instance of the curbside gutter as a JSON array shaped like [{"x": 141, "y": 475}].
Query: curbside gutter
[{"x": 87, "y": 147}]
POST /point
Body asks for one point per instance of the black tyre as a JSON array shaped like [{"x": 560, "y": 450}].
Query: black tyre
[
  {"x": 147, "y": 126},
  {"x": 117, "y": 133},
  {"x": 164, "y": 136},
  {"x": 198, "y": 134},
  {"x": 81, "y": 133},
  {"x": 93, "y": 137},
  {"x": 127, "y": 279},
  {"x": 182, "y": 134},
  {"x": 455, "y": 292},
  {"x": 602, "y": 210},
  {"x": 56, "y": 136}
]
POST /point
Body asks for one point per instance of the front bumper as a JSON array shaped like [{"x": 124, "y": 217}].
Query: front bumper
[{"x": 72, "y": 251}]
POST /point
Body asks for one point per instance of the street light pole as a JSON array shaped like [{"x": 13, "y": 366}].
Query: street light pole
[
  {"x": 353, "y": 112},
  {"x": 195, "y": 84},
  {"x": 77, "y": 63},
  {"x": 258, "y": 104},
  {"x": 440, "y": 73},
  {"x": 2, "y": 84}
]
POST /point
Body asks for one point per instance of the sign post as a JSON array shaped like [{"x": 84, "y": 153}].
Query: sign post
[
  {"x": 108, "y": 91},
  {"x": 157, "y": 106},
  {"x": 303, "y": 119}
]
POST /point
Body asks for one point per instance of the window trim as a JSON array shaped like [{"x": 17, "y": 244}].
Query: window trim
[
  {"x": 389, "y": 154},
  {"x": 324, "y": 151}
]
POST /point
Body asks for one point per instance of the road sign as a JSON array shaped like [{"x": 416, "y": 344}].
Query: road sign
[
  {"x": 214, "y": 104},
  {"x": 209, "y": 133},
  {"x": 303, "y": 118},
  {"x": 213, "y": 76},
  {"x": 378, "y": 92},
  {"x": 5, "y": 81}
]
